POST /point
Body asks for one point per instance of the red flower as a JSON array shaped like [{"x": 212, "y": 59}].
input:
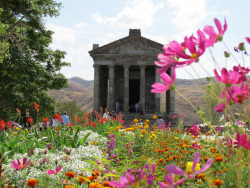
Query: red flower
[
  {"x": 18, "y": 111},
  {"x": 36, "y": 106},
  {"x": 57, "y": 116},
  {"x": 2, "y": 124},
  {"x": 30, "y": 120},
  {"x": 94, "y": 125},
  {"x": 45, "y": 120}
]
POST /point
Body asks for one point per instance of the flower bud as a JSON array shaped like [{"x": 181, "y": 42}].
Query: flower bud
[
  {"x": 241, "y": 46},
  {"x": 208, "y": 79},
  {"x": 226, "y": 54}
]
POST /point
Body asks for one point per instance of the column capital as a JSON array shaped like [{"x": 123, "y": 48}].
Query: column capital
[
  {"x": 143, "y": 66},
  {"x": 96, "y": 66},
  {"x": 126, "y": 66},
  {"x": 111, "y": 65}
]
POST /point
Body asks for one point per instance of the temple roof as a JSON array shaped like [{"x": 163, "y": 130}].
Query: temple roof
[{"x": 132, "y": 44}]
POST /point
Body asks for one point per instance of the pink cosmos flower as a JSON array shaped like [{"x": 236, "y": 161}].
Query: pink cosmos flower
[
  {"x": 176, "y": 170},
  {"x": 19, "y": 165},
  {"x": 54, "y": 172},
  {"x": 129, "y": 178},
  {"x": 170, "y": 180},
  {"x": 230, "y": 77},
  {"x": 213, "y": 36},
  {"x": 195, "y": 130},
  {"x": 242, "y": 141},
  {"x": 218, "y": 129},
  {"x": 247, "y": 39},
  {"x": 195, "y": 146},
  {"x": 220, "y": 107},
  {"x": 168, "y": 82},
  {"x": 195, "y": 46},
  {"x": 239, "y": 94}
]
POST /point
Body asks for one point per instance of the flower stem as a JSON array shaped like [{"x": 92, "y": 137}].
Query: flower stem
[{"x": 185, "y": 99}]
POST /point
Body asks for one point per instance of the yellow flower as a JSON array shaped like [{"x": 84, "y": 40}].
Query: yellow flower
[
  {"x": 154, "y": 117},
  {"x": 176, "y": 138},
  {"x": 26, "y": 130},
  {"x": 189, "y": 167},
  {"x": 17, "y": 128},
  {"x": 147, "y": 121},
  {"x": 140, "y": 126},
  {"x": 141, "y": 135},
  {"x": 136, "y": 120},
  {"x": 15, "y": 133},
  {"x": 146, "y": 126}
]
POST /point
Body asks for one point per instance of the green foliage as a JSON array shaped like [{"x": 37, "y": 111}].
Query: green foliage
[
  {"x": 31, "y": 67},
  {"x": 211, "y": 100},
  {"x": 71, "y": 108}
]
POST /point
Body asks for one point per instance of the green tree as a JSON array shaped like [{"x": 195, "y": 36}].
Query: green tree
[
  {"x": 71, "y": 108},
  {"x": 31, "y": 68}
]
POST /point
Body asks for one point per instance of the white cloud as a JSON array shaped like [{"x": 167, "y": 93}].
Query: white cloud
[
  {"x": 62, "y": 35},
  {"x": 187, "y": 15},
  {"x": 137, "y": 14}
]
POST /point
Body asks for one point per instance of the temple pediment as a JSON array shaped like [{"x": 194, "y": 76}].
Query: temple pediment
[{"x": 132, "y": 44}]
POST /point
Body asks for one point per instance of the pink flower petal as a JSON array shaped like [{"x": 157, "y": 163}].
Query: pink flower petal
[
  {"x": 58, "y": 169},
  {"x": 196, "y": 160},
  {"x": 50, "y": 172},
  {"x": 174, "y": 169},
  {"x": 205, "y": 167},
  {"x": 247, "y": 39}
]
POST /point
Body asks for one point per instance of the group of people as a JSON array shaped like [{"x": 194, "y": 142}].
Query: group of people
[
  {"x": 109, "y": 115},
  {"x": 27, "y": 121}
]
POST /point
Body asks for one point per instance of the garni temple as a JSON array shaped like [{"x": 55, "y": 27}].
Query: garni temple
[{"x": 124, "y": 71}]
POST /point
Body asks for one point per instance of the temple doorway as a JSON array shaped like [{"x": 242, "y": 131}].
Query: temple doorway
[{"x": 134, "y": 93}]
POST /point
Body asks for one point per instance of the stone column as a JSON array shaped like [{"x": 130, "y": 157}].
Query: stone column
[
  {"x": 111, "y": 87},
  {"x": 170, "y": 100},
  {"x": 126, "y": 88},
  {"x": 96, "y": 87},
  {"x": 157, "y": 95},
  {"x": 142, "y": 87}
]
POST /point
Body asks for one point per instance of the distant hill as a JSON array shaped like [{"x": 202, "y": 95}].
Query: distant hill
[
  {"x": 82, "y": 82},
  {"x": 81, "y": 91}
]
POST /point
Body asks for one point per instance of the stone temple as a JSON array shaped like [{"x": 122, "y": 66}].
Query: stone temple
[{"x": 124, "y": 71}]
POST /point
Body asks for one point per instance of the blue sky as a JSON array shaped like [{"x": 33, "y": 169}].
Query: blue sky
[{"x": 83, "y": 23}]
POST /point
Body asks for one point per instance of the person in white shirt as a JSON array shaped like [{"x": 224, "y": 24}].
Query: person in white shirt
[
  {"x": 105, "y": 115},
  {"x": 41, "y": 126},
  {"x": 54, "y": 122}
]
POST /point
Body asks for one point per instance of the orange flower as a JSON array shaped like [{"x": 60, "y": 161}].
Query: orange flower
[
  {"x": 69, "y": 186},
  {"x": 70, "y": 174},
  {"x": 32, "y": 182},
  {"x": 95, "y": 174},
  {"x": 90, "y": 178},
  {"x": 218, "y": 159},
  {"x": 136, "y": 120},
  {"x": 95, "y": 185},
  {"x": 143, "y": 131},
  {"x": 154, "y": 117},
  {"x": 218, "y": 182},
  {"x": 81, "y": 179},
  {"x": 106, "y": 184},
  {"x": 200, "y": 176}
]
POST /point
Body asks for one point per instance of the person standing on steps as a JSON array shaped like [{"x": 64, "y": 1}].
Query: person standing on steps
[{"x": 117, "y": 107}]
